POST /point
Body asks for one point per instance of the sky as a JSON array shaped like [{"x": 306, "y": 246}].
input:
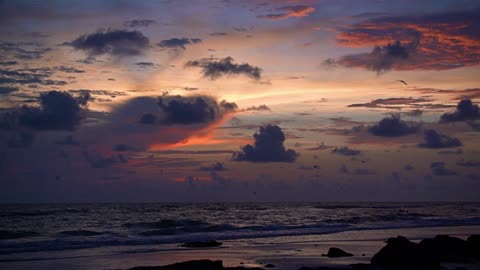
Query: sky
[{"x": 226, "y": 100}]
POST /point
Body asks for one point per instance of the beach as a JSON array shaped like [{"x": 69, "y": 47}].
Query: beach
[{"x": 285, "y": 253}]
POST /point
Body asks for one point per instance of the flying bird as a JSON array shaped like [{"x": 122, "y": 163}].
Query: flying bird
[{"x": 402, "y": 81}]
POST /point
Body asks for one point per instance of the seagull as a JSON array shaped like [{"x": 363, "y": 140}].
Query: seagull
[{"x": 402, "y": 81}]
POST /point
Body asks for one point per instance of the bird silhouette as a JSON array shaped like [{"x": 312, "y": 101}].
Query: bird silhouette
[{"x": 402, "y": 81}]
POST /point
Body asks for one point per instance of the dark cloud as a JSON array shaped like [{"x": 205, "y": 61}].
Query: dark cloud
[
  {"x": 111, "y": 93},
  {"x": 218, "y": 34},
  {"x": 20, "y": 140},
  {"x": 98, "y": 161},
  {"x": 139, "y": 23},
  {"x": 393, "y": 127},
  {"x": 148, "y": 119},
  {"x": 215, "y": 69},
  {"x": 121, "y": 147},
  {"x": 466, "y": 110},
  {"x": 29, "y": 76},
  {"x": 286, "y": 12},
  {"x": 345, "y": 151},
  {"x": 70, "y": 69},
  {"x": 414, "y": 113},
  {"x": 380, "y": 59},
  {"x": 268, "y": 147},
  {"x": 190, "y": 88},
  {"x": 113, "y": 42},
  {"x": 192, "y": 110},
  {"x": 439, "y": 169},
  {"x": 7, "y": 90},
  {"x": 391, "y": 103},
  {"x": 57, "y": 111},
  {"x": 468, "y": 163},
  {"x": 8, "y": 63},
  {"x": 145, "y": 64},
  {"x": 23, "y": 50},
  {"x": 262, "y": 107},
  {"x": 433, "y": 139},
  {"x": 218, "y": 166},
  {"x": 422, "y": 41},
  {"x": 178, "y": 43}
]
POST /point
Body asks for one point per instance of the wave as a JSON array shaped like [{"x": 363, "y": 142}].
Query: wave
[
  {"x": 168, "y": 236},
  {"x": 166, "y": 223},
  {"x": 80, "y": 233},
  {"x": 8, "y": 235},
  {"x": 43, "y": 212}
]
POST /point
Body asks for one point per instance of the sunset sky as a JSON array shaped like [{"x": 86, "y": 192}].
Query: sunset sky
[{"x": 119, "y": 101}]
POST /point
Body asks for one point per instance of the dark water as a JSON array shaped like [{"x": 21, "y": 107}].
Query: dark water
[{"x": 50, "y": 227}]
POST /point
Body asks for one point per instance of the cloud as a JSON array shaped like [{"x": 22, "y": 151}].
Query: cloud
[
  {"x": 393, "y": 127},
  {"x": 414, "y": 42},
  {"x": 466, "y": 110},
  {"x": 380, "y": 59},
  {"x": 8, "y": 63},
  {"x": 439, "y": 169},
  {"x": 218, "y": 34},
  {"x": 70, "y": 69},
  {"x": 468, "y": 163},
  {"x": 345, "y": 151},
  {"x": 97, "y": 161},
  {"x": 391, "y": 103},
  {"x": 218, "y": 166},
  {"x": 286, "y": 12},
  {"x": 139, "y": 23},
  {"x": 148, "y": 119},
  {"x": 268, "y": 147},
  {"x": 178, "y": 43},
  {"x": 191, "y": 110},
  {"x": 7, "y": 90},
  {"x": 433, "y": 139},
  {"x": 215, "y": 69},
  {"x": 23, "y": 50},
  {"x": 262, "y": 107},
  {"x": 57, "y": 111},
  {"x": 112, "y": 42},
  {"x": 29, "y": 76},
  {"x": 20, "y": 140},
  {"x": 414, "y": 113},
  {"x": 145, "y": 64}
]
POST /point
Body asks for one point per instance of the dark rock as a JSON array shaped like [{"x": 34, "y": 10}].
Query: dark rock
[
  {"x": 446, "y": 249},
  {"x": 336, "y": 253},
  {"x": 270, "y": 265},
  {"x": 194, "y": 265},
  {"x": 401, "y": 253},
  {"x": 201, "y": 244},
  {"x": 474, "y": 246}
]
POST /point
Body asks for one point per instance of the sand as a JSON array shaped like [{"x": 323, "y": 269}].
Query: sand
[{"x": 286, "y": 253}]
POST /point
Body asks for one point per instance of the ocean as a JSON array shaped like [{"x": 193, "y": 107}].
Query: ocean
[{"x": 54, "y": 227}]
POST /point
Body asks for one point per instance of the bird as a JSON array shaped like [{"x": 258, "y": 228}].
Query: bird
[{"x": 402, "y": 81}]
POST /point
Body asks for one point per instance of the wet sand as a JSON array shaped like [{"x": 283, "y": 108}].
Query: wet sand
[{"x": 286, "y": 253}]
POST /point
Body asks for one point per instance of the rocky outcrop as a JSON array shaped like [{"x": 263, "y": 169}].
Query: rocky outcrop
[{"x": 334, "y": 252}]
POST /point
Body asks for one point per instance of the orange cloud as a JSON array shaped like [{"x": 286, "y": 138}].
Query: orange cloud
[
  {"x": 437, "y": 42},
  {"x": 286, "y": 12}
]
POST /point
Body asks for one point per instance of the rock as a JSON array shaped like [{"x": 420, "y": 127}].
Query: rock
[
  {"x": 201, "y": 244},
  {"x": 194, "y": 265},
  {"x": 446, "y": 249},
  {"x": 337, "y": 253},
  {"x": 401, "y": 253},
  {"x": 474, "y": 246},
  {"x": 270, "y": 265}
]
